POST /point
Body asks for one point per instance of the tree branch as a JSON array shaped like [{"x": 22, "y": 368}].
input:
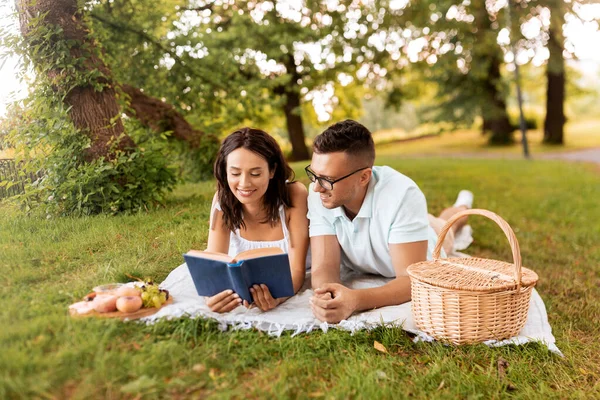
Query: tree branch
[
  {"x": 199, "y": 8},
  {"x": 162, "y": 117},
  {"x": 156, "y": 43}
]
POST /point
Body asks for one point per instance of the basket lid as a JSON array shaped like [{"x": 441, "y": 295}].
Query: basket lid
[
  {"x": 470, "y": 274},
  {"x": 474, "y": 274}
]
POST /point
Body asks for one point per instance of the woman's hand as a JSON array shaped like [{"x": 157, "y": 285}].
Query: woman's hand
[
  {"x": 223, "y": 302},
  {"x": 262, "y": 298}
]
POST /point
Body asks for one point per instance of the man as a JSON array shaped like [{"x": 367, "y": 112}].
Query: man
[{"x": 369, "y": 219}]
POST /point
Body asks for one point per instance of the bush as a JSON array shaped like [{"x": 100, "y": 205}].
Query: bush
[
  {"x": 47, "y": 142},
  {"x": 533, "y": 118},
  {"x": 195, "y": 165}
]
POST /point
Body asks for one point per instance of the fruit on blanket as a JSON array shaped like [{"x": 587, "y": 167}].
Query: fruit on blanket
[
  {"x": 105, "y": 303},
  {"x": 128, "y": 304},
  {"x": 128, "y": 291},
  {"x": 82, "y": 307},
  {"x": 152, "y": 295},
  {"x": 90, "y": 296}
]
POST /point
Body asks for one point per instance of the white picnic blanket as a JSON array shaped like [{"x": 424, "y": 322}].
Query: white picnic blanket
[{"x": 296, "y": 315}]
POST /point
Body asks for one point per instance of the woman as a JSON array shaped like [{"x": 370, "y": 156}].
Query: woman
[{"x": 257, "y": 205}]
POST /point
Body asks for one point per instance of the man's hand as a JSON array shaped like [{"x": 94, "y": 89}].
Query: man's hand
[
  {"x": 333, "y": 302},
  {"x": 262, "y": 298},
  {"x": 223, "y": 302}
]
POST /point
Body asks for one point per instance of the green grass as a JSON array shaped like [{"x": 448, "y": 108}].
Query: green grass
[
  {"x": 579, "y": 134},
  {"x": 47, "y": 264}
]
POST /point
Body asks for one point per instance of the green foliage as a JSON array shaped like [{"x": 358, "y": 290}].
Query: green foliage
[
  {"x": 533, "y": 118},
  {"x": 194, "y": 165},
  {"x": 49, "y": 144},
  {"x": 459, "y": 57},
  {"x": 220, "y": 63},
  {"x": 378, "y": 117}
]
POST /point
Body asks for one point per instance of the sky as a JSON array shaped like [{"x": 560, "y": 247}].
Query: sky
[{"x": 584, "y": 36}]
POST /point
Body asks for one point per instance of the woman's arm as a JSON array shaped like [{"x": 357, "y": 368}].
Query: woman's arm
[
  {"x": 298, "y": 227},
  {"x": 298, "y": 247},
  {"x": 218, "y": 234},
  {"x": 218, "y": 241}
]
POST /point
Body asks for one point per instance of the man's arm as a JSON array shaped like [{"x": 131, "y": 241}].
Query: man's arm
[
  {"x": 397, "y": 291},
  {"x": 325, "y": 258},
  {"x": 346, "y": 301}
]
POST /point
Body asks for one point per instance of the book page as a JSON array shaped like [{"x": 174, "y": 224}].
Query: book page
[
  {"x": 210, "y": 255},
  {"x": 256, "y": 253}
]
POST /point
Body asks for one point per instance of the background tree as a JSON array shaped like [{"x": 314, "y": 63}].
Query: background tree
[
  {"x": 555, "y": 74},
  {"x": 62, "y": 50},
  {"x": 562, "y": 80},
  {"x": 231, "y": 61},
  {"x": 70, "y": 132},
  {"x": 454, "y": 46}
]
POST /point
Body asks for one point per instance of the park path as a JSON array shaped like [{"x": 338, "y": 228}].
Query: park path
[
  {"x": 587, "y": 155},
  {"x": 591, "y": 155}
]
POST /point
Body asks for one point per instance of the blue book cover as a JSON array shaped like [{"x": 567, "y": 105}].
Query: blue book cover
[{"x": 214, "y": 272}]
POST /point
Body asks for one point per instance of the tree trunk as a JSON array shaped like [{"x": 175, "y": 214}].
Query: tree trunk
[
  {"x": 161, "y": 117},
  {"x": 493, "y": 108},
  {"x": 292, "y": 110},
  {"x": 555, "y": 91},
  {"x": 295, "y": 128},
  {"x": 93, "y": 106}
]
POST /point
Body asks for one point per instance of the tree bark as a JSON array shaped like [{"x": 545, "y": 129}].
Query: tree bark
[
  {"x": 493, "y": 108},
  {"x": 160, "y": 117},
  {"x": 555, "y": 90},
  {"x": 294, "y": 125},
  {"x": 292, "y": 110},
  {"x": 495, "y": 116},
  {"x": 93, "y": 106}
]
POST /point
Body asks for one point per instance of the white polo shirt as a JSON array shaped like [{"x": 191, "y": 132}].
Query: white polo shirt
[{"x": 394, "y": 211}]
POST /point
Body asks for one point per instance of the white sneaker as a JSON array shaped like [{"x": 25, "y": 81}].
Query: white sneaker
[{"x": 465, "y": 198}]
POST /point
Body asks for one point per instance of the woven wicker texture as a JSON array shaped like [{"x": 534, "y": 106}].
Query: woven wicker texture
[
  {"x": 470, "y": 300},
  {"x": 468, "y": 274}
]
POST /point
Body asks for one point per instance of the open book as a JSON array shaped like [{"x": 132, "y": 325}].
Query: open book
[{"x": 214, "y": 272}]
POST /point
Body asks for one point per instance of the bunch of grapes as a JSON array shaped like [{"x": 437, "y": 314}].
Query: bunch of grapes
[{"x": 152, "y": 295}]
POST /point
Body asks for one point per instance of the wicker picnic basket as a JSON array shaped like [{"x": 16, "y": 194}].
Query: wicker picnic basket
[{"x": 471, "y": 300}]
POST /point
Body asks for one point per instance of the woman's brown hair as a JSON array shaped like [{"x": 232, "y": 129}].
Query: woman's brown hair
[{"x": 277, "y": 194}]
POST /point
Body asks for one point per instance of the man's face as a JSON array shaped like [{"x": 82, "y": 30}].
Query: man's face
[{"x": 333, "y": 166}]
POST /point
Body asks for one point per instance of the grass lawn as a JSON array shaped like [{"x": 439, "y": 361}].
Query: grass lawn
[
  {"x": 47, "y": 264},
  {"x": 579, "y": 134}
]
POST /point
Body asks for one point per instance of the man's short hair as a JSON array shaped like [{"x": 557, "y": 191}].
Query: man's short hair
[{"x": 349, "y": 137}]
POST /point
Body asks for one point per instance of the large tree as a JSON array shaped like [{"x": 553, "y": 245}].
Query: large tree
[
  {"x": 561, "y": 81},
  {"x": 62, "y": 48},
  {"x": 555, "y": 75},
  {"x": 225, "y": 62},
  {"x": 457, "y": 50}
]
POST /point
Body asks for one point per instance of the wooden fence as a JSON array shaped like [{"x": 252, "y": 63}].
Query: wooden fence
[{"x": 9, "y": 173}]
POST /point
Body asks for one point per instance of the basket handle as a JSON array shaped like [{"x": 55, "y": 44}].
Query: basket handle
[{"x": 510, "y": 235}]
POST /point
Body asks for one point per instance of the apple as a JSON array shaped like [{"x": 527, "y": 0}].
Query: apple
[{"x": 129, "y": 304}]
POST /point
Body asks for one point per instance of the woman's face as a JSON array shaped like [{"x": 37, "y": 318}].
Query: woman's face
[{"x": 248, "y": 175}]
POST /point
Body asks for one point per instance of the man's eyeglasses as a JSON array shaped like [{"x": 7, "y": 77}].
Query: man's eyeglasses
[{"x": 325, "y": 183}]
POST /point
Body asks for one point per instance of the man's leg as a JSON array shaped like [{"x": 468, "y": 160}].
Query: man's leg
[
  {"x": 464, "y": 201},
  {"x": 447, "y": 213}
]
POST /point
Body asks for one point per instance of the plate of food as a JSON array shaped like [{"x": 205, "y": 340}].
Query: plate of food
[{"x": 126, "y": 301}]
